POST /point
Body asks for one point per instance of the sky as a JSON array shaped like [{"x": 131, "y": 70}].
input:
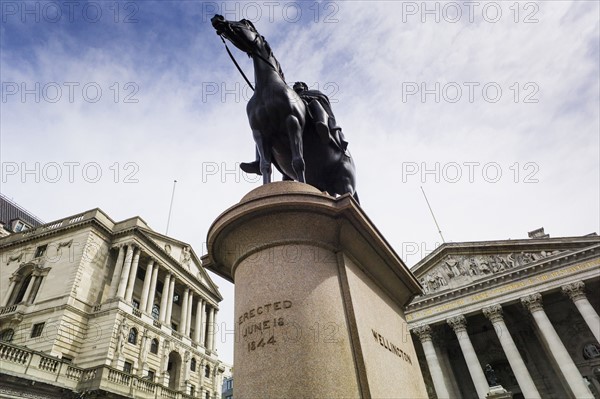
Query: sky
[{"x": 491, "y": 108}]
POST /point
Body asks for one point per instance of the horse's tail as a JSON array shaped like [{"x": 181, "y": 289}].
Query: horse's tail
[{"x": 355, "y": 196}]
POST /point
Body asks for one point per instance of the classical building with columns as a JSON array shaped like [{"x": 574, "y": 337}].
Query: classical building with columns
[
  {"x": 528, "y": 308},
  {"x": 97, "y": 308}
]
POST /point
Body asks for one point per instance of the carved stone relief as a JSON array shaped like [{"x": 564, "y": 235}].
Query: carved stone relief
[{"x": 457, "y": 270}]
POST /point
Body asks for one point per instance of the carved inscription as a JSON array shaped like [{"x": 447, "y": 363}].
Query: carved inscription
[
  {"x": 391, "y": 347},
  {"x": 257, "y": 325}
]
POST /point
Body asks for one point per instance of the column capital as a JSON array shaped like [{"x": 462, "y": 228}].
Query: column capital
[
  {"x": 423, "y": 332},
  {"x": 493, "y": 313},
  {"x": 458, "y": 323},
  {"x": 574, "y": 291},
  {"x": 533, "y": 302}
]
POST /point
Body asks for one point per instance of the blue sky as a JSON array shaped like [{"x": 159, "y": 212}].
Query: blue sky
[{"x": 156, "y": 98}]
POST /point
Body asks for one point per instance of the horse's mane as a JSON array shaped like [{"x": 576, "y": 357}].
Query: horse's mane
[
  {"x": 271, "y": 55},
  {"x": 269, "y": 51}
]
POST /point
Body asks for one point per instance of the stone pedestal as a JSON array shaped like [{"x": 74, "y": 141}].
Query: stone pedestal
[{"x": 319, "y": 297}]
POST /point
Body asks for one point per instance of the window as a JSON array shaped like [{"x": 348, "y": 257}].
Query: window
[
  {"x": 591, "y": 351},
  {"x": 155, "y": 312},
  {"x": 67, "y": 359},
  {"x": 193, "y": 364},
  {"x": 7, "y": 335},
  {"x": 174, "y": 326},
  {"x": 40, "y": 251},
  {"x": 132, "y": 339},
  {"x": 154, "y": 346},
  {"x": 135, "y": 304},
  {"x": 207, "y": 396},
  {"x": 127, "y": 367},
  {"x": 141, "y": 274},
  {"x": 176, "y": 298},
  {"x": 150, "y": 376},
  {"x": 207, "y": 371},
  {"x": 192, "y": 390},
  {"x": 22, "y": 289},
  {"x": 229, "y": 384},
  {"x": 19, "y": 226},
  {"x": 37, "y": 329}
]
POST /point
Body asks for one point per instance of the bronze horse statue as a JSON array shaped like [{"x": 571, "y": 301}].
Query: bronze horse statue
[{"x": 282, "y": 131}]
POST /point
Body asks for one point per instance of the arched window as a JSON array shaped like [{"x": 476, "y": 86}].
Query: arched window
[
  {"x": 207, "y": 371},
  {"x": 193, "y": 364},
  {"x": 22, "y": 289},
  {"x": 154, "y": 346},
  {"x": 155, "y": 312},
  {"x": 28, "y": 279},
  {"x": 7, "y": 335},
  {"x": 133, "y": 334}
]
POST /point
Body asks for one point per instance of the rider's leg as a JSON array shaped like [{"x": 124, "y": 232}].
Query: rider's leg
[
  {"x": 321, "y": 120},
  {"x": 252, "y": 167}
]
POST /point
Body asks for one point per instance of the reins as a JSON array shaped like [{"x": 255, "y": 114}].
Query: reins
[{"x": 236, "y": 64}]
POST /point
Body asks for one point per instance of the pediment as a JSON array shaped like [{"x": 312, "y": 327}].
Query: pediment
[
  {"x": 458, "y": 270},
  {"x": 184, "y": 255},
  {"x": 455, "y": 265}
]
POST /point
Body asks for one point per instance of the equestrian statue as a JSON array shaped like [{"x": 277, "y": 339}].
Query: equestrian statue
[{"x": 294, "y": 129}]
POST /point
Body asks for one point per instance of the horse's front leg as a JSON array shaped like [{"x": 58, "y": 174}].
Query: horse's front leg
[
  {"x": 294, "y": 131},
  {"x": 264, "y": 151}
]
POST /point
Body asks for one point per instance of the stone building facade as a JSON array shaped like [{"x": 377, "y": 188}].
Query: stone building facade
[
  {"x": 96, "y": 308},
  {"x": 528, "y": 308}
]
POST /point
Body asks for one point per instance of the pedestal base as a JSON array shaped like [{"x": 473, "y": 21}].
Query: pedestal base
[
  {"x": 498, "y": 392},
  {"x": 319, "y": 297}
]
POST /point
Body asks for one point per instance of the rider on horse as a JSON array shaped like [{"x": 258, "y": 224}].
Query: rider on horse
[{"x": 319, "y": 110}]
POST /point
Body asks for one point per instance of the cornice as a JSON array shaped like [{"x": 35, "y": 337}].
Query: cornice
[
  {"x": 47, "y": 230},
  {"x": 502, "y": 246}
]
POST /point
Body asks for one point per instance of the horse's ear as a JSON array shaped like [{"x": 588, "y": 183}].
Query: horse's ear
[{"x": 250, "y": 24}]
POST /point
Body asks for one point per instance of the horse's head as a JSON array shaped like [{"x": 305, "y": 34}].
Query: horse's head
[{"x": 242, "y": 33}]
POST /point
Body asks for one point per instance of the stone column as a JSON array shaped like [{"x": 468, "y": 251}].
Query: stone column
[
  {"x": 114, "y": 283},
  {"x": 28, "y": 290},
  {"x": 459, "y": 325},
  {"x": 11, "y": 287},
  {"x": 424, "y": 334},
  {"x": 146, "y": 286},
  {"x": 164, "y": 298},
  {"x": 576, "y": 291},
  {"x": 210, "y": 334},
  {"x": 494, "y": 314},
  {"x": 184, "y": 311},
  {"x": 125, "y": 272},
  {"x": 203, "y": 325},
  {"x": 36, "y": 282},
  {"x": 556, "y": 349},
  {"x": 152, "y": 290},
  {"x": 198, "y": 326},
  {"x": 170, "y": 301},
  {"x": 132, "y": 276},
  {"x": 188, "y": 325}
]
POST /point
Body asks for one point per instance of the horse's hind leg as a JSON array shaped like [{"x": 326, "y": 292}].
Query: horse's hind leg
[
  {"x": 264, "y": 150},
  {"x": 294, "y": 131}
]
